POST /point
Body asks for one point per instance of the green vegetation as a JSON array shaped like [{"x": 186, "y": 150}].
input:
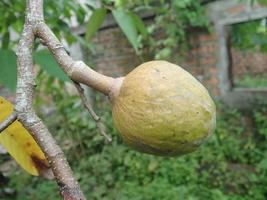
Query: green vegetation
[
  {"x": 249, "y": 81},
  {"x": 250, "y": 35},
  {"x": 173, "y": 22},
  {"x": 57, "y": 14},
  {"x": 231, "y": 165},
  {"x": 170, "y": 26}
]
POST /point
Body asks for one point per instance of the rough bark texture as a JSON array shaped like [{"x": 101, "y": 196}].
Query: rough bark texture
[
  {"x": 78, "y": 71},
  {"x": 35, "y": 27},
  {"x": 69, "y": 188},
  {"x": 11, "y": 118}
]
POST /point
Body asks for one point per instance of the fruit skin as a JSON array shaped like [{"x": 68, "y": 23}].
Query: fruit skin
[{"x": 161, "y": 109}]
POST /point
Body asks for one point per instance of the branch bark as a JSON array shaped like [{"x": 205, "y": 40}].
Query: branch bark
[
  {"x": 77, "y": 70},
  {"x": 8, "y": 121},
  {"x": 69, "y": 188},
  {"x": 88, "y": 107}
]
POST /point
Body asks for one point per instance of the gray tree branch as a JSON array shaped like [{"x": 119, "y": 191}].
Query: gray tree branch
[
  {"x": 76, "y": 70},
  {"x": 69, "y": 188},
  {"x": 9, "y": 120}
]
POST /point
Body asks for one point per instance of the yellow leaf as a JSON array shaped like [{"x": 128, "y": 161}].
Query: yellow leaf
[{"x": 21, "y": 145}]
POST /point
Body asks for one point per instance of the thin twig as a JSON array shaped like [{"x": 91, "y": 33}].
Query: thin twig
[
  {"x": 8, "y": 121},
  {"x": 90, "y": 109}
]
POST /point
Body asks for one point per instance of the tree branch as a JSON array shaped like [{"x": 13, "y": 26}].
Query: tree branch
[
  {"x": 69, "y": 188},
  {"x": 88, "y": 106},
  {"x": 76, "y": 70},
  {"x": 8, "y": 121}
]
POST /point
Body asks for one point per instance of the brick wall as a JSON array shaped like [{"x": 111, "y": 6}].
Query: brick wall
[
  {"x": 251, "y": 63},
  {"x": 115, "y": 56},
  {"x": 201, "y": 60}
]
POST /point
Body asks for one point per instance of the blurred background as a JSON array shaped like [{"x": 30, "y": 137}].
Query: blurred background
[{"x": 222, "y": 43}]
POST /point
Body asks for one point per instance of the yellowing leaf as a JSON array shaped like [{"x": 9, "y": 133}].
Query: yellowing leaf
[{"x": 21, "y": 145}]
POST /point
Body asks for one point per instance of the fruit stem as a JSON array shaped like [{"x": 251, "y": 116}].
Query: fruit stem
[
  {"x": 91, "y": 78},
  {"x": 77, "y": 70}
]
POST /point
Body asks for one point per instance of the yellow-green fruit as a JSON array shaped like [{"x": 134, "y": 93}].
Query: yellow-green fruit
[{"x": 161, "y": 109}]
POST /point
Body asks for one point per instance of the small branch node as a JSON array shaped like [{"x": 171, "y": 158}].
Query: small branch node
[
  {"x": 70, "y": 68},
  {"x": 58, "y": 46}
]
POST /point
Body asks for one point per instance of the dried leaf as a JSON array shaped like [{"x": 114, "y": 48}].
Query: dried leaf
[{"x": 21, "y": 145}]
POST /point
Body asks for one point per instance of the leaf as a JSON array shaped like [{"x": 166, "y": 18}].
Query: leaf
[
  {"x": 121, "y": 3},
  {"x": 139, "y": 24},
  {"x": 48, "y": 63},
  {"x": 163, "y": 54},
  {"x": 263, "y": 164},
  {"x": 128, "y": 26},
  {"x": 5, "y": 40},
  {"x": 94, "y": 23},
  {"x": 8, "y": 69},
  {"x": 91, "y": 4},
  {"x": 21, "y": 146}
]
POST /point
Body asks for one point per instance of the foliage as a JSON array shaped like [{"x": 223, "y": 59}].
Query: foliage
[
  {"x": 126, "y": 21},
  {"x": 169, "y": 29},
  {"x": 130, "y": 23},
  {"x": 44, "y": 59},
  {"x": 261, "y": 2},
  {"x": 249, "y": 81},
  {"x": 8, "y": 69},
  {"x": 250, "y": 35},
  {"x": 231, "y": 165},
  {"x": 95, "y": 21},
  {"x": 58, "y": 14}
]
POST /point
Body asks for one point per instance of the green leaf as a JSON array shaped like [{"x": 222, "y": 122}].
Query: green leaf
[
  {"x": 48, "y": 63},
  {"x": 139, "y": 24},
  {"x": 128, "y": 26},
  {"x": 163, "y": 53},
  {"x": 5, "y": 40},
  {"x": 120, "y": 3},
  {"x": 94, "y": 23},
  {"x": 8, "y": 69}
]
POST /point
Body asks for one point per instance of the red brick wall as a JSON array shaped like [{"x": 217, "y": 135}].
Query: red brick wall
[
  {"x": 248, "y": 63},
  {"x": 114, "y": 56},
  {"x": 201, "y": 60}
]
